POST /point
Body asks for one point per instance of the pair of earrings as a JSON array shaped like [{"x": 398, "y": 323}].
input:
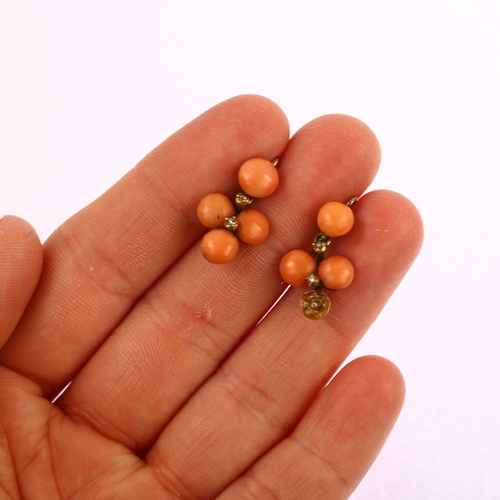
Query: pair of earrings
[{"x": 230, "y": 223}]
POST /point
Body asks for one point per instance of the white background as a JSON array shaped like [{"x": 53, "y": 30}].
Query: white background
[{"x": 88, "y": 88}]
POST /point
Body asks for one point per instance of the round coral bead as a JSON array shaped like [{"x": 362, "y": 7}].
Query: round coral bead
[
  {"x": 336, "y": 272},
  {"x": 258, "y": 177},
  {"x": 253, "y": 227},
  {"x": 219, "y": 246},
  {"x": 296, "y": 266},
  {"x": 213, "y": 209},
  {"x": 335, "y": 219}
]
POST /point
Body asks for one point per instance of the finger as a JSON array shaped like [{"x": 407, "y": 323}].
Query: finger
[
  {"x": 20, "y": 267},
  {"x": 180, "y": 332},
  {"x": 256, "y": 398},
  {"x": 103, "y": 259},
  {"x": 336, "y": 442}
]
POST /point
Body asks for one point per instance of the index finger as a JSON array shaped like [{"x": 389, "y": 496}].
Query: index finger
[{"x": 99, "y": 262}]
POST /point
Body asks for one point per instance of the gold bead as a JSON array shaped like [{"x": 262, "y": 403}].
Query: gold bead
[
  {"x": 315, "y": 304},
  {"x": 243, "y": 199}
]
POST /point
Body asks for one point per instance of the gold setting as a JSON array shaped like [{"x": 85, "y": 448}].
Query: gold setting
[
  {"x": 321, "y": 243},
  {"x": 231, "y": 223},
  {"x": 313, "y": 280},
  {"x": 243, "y": 199}
]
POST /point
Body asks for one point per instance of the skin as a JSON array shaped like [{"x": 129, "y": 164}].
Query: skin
[{"x": 175, "y": 393}]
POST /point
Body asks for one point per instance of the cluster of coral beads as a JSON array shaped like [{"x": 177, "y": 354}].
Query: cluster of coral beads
[
  {"x": 299, "y": 267},
  {"x": 230, "y": 223}
]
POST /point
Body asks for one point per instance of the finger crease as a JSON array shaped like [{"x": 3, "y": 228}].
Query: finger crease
[
  {"x": 256, "y": 401},
  {"x": 172, "y": 483},
  {"x": 310, "y": 450}
]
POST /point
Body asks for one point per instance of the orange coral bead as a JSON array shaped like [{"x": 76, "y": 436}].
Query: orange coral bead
[
  {"x": 219, "y": 246},
  {"x": 335, "y": 219},
  {"x": 258, "y": 177},
  {"x": 253, "y": 227},
  {"x": 213, "y": 209},
  {"x": 296, "y": 266},
  {"x": 336, "y": 272}
]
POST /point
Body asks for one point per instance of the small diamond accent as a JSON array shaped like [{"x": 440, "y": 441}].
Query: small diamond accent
[
  {"x": 313, "y": 280},
  {"x": 321, "y": 243},
  {"x": 231, "y": 223}
]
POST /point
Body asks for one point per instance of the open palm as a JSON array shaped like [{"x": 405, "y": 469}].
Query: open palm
[{"x": 176, "y": 393}]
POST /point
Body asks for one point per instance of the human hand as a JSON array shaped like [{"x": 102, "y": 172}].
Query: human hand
[{"x": 175, "y": 393}]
